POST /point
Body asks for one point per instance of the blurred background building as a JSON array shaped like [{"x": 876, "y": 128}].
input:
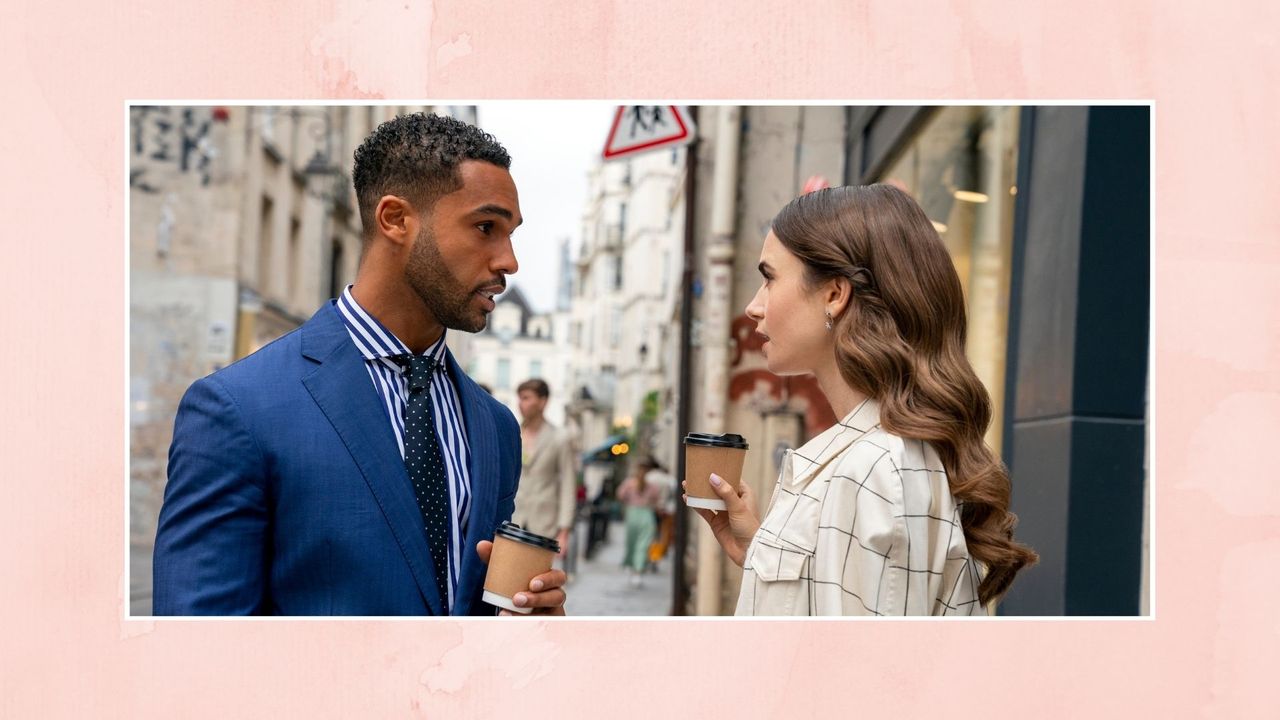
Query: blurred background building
[
  {"x": 519, "y": 344},
  {"x": 624, "y": 331}
]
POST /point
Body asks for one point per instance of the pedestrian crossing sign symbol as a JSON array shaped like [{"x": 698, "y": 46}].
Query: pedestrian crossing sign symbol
[{"x": 641, "y": 128}]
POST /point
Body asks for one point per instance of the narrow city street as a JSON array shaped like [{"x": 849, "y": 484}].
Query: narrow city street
[{"x": 600, "y": 586}]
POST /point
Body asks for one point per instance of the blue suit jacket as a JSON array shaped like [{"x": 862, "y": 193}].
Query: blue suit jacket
[{"x": 287, "y": 493}]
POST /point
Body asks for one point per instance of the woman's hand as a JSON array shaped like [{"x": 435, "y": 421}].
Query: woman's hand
[{"x": 735, "y": 527}]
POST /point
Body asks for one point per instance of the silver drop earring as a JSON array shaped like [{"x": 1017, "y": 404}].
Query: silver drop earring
[{"x": 828, "y": 321}]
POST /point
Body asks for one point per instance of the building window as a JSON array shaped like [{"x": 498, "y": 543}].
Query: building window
[
  {"x": 617, "y": 272},
  {"x": 962, "y": 169},
  {"x": 503, "y": 381},
  {"x": 535, "y": 368},
  {"x": 336, "y": 269},
  {"x": 268, "y": 125},
  {"x": 264, "y": 247},
  {"x": 295, "y": 259}
]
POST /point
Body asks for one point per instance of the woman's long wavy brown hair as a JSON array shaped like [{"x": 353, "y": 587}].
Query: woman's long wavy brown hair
[{"x": 901, "y": 341}]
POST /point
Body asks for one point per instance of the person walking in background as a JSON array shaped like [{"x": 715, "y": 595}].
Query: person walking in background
[
  {"x": 665, "y": 513},
  {"x": 900, "y": 508},
  {"x": 640, "y": 498},
  {"x": 547, "y": 501}
]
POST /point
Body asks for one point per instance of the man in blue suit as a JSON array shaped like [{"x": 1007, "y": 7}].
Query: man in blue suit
[{"x": 351, "y": 467}]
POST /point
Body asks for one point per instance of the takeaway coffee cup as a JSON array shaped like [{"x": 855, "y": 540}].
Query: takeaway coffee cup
[
  {"x": 705, "y": 454},
  {"x": 518, "y": 557}
]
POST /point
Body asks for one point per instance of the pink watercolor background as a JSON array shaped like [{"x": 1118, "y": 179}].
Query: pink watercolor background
[{"x": 1211, "y": 69}]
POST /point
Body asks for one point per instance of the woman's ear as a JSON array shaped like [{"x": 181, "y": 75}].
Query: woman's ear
[{"x": 836, "y": 294}]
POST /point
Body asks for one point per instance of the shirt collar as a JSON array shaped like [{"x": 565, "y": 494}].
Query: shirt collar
[
  {"x": 827, "y": 445},
  {"x": 372, "y": 338}
]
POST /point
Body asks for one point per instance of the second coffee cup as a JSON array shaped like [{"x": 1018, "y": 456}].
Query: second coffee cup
[{"x": 704, "y": 454}]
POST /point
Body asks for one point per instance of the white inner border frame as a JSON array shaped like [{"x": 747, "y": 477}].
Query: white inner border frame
[{"x": 1147, "y": 599}]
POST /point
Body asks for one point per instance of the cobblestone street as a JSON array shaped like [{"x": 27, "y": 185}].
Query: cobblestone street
[{"x": 601, "y": 586}]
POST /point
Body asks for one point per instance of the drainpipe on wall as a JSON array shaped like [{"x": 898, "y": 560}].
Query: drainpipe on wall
[{"x": 717, "y": 318}]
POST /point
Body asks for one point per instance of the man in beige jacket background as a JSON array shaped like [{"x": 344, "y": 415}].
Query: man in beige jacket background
[{"x": 547, "y": 498}]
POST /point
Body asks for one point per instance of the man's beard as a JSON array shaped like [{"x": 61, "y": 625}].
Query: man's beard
[{"x": 444, "y": 295}]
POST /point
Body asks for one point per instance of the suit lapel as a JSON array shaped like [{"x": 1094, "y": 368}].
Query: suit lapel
[
  {"x": 484, "y": 468},
  {"x": 340, "y": 385},
  {"x": 544, "y": 439}
]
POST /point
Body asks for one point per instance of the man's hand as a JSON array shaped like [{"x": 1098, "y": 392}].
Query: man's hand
[{"x": 544, "y": 596}]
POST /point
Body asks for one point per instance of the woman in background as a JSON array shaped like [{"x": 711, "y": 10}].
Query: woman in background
[{"x": 640, "y": 499}]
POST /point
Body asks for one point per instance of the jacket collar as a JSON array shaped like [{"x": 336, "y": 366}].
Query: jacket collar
[
  {"x": 545, "y": 435},
  {"x": 814, "y": 455}
]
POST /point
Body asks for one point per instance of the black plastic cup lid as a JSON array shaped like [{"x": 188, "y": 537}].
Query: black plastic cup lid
[
  {"x": 512, "y": 531},
  {"x": 736, "y": 442}
]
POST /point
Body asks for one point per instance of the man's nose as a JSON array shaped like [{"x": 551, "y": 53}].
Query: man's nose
[{"x": 506, "y": 262}]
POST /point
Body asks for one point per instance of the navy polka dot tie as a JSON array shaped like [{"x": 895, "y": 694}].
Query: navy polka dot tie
[{"x": 425, "y": 463}]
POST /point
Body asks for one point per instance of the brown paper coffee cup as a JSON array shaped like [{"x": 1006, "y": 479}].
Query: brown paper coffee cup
[
  {"x": 518, "y": 557},
  {"x": 704, "y": 454}
]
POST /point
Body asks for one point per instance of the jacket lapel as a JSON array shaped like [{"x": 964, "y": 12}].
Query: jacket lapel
[
  {"x": 340, "y": 385},
  {"x": 544, "y": 439},
  {"x": 484, "y": 446}
]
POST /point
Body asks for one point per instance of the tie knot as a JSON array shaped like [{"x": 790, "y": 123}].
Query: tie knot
[{"x": 419, "y": 369}]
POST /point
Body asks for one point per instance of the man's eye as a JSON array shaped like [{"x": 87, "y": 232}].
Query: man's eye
[{"x": 485, "y": 227}]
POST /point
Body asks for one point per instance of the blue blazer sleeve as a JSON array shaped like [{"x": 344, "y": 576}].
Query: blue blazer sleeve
[{"x": 212, "y": 538}]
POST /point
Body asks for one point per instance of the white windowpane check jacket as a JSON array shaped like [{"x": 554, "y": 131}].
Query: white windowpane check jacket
[{"x": 861, "y": 522}]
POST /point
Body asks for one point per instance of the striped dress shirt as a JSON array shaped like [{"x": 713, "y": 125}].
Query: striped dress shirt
[{"x": 378, "y": 345}]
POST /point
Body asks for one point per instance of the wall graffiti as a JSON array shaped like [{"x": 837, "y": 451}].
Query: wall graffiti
[
  {"x": 800, "y": 393},
  {"x": 176, "y": 136}
]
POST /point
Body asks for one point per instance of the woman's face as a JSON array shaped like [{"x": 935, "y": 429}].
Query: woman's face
[{"x": 791, "y": 317}]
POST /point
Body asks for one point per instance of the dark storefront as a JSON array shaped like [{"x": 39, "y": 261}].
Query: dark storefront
[{"x": 1046, "y": 211}]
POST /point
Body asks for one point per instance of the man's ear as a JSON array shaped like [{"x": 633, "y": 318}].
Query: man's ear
[{"x": 395, "y": 219}]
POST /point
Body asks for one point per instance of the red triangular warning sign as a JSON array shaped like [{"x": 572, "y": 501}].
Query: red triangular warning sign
[{"x": 640, "y": 128}]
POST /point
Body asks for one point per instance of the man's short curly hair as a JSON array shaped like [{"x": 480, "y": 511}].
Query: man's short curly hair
[{"x": 416, "y": 157}]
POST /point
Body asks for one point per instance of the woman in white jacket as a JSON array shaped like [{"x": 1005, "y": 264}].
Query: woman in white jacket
[{"x": 900, "y": 508}]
